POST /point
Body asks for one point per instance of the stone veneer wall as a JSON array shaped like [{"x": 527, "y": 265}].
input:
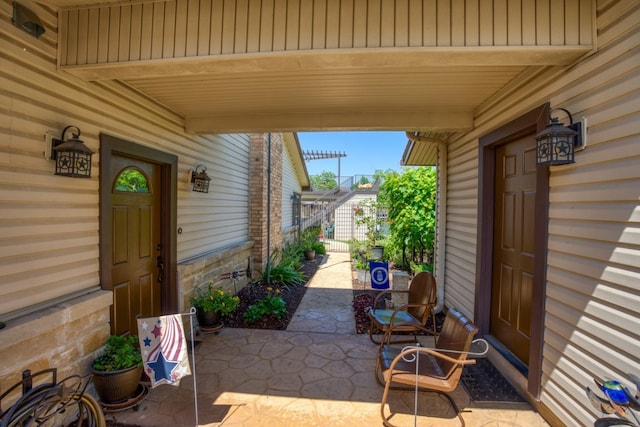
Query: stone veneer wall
[
  {"x": 212, "y": 266},
  {"x": 66, "y": 336},
  {"x": 70, "y": 334}
]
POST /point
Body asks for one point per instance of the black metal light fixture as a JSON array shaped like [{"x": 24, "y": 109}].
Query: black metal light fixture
[
  {"x": 200, "y": 179},
  {"x": 556, "y": 144},
  {"x": 26, "y": 20},
  {"x": 72, "y": 157}
]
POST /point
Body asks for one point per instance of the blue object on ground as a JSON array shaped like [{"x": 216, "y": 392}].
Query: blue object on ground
[{"x": 379, "y": 274}]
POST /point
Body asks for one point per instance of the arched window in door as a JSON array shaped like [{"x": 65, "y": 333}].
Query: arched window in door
[{"x": 131, "y": 180}]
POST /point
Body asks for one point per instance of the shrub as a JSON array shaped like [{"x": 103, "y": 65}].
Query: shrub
[
  {"x": 284, "y": 272},
  {"x": 292, "y": 254},
  {"x": 215, "y": 299},
  {"x": 361, "y": 264},
  {"x": 319, "y": 248},
  {"x": 420, "y": 267},
  {"x": 271, "y": 305},
  {"x": 120, "y": 352}
]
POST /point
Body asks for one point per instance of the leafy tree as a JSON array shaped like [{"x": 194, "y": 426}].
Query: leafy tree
[
  {"x": 379, "y": 173},
  {"x": 411, "y": 200},
  {"x": 325, "y": 181},
  {"x": 360, "y": 183}
]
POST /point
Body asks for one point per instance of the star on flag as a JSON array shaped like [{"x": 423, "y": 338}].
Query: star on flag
[{"x": 164, "y": 349}]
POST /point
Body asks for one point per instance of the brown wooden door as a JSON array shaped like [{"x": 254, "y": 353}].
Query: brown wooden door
[
  {"x": 135, "y": 242},
  {"x": 513, "y": 247}
]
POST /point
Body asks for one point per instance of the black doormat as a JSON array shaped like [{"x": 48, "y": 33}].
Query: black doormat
[{"x": 485, "y": 383}]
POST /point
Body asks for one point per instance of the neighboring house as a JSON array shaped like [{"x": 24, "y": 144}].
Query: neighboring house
[
  {"x": 344, "y": 217},
  {"x": 295, "y": 180},
  {"x": 473, "y": 82}
]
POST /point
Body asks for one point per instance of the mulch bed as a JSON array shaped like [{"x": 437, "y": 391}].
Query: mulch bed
[
  {"x": 250, "y": 294},
  {"x": 362, "y": 302},
  {"x": 254, "y": 292}
]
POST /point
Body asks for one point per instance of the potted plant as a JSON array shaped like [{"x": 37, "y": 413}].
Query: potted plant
[
  {"x": 309, "y": 242},
  {"x": 361, "y": 266},
  {"x": 319, "y": 248},
  {"x": 117, "y": 372},
  {"x": 212, "y": 303},
  {"x": 368, "y": 216},
  {"x": 309, "y": 254}
]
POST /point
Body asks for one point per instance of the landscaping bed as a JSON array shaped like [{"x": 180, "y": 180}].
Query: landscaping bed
[{"x": 252, "y": 293}]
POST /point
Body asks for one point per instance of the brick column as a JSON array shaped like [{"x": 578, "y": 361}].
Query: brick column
[{"x": 258, "y": 208}]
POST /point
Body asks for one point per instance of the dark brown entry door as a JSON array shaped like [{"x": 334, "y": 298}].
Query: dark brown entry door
[
  {"x": 513, "y": 248},
  {"x": 135, "y": 242}
]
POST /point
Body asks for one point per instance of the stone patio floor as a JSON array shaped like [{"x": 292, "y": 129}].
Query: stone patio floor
[{"x": 318, "y": 372}]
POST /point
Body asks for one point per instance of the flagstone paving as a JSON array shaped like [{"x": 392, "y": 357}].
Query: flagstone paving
[{"x": 316, "y": 373}]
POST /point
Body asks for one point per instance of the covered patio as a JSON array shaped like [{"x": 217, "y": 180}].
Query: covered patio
[
  {"x": 318, "y": 372},
  {"x": 170, "y": 87}
]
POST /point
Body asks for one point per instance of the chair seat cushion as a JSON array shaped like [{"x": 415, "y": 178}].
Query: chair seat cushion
[
  {"x": 427, "y": 364},
  {"x": 382, "y": 317}
]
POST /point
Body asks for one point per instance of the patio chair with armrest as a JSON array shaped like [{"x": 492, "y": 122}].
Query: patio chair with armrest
[
  {"x": 411, "y": 317},
  {"x": 439, "y": 368}
]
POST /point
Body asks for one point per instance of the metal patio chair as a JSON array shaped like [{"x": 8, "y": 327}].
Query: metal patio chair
[
  {"x": 438, "y": 369},
  {"x": 411, "y": 317}
]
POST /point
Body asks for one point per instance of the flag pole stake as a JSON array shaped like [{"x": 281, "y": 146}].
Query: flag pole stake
[{"x": 191, "y": 313}]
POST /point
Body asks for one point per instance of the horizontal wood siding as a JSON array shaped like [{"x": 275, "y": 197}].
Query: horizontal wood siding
[
  {"x": 290, "y": 185},
  {"x": 462, "y": 218},
  {"x": 48, "y": 223},
  {"x": 593, "y": 276},
  {"x": 141, "y": 31}
]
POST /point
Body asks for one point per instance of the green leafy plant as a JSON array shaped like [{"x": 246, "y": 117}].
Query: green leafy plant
[
  {"x": 120, "y": 352},
  {"x": 411, "y": 200},
  {"x": 361, "y": 263},
  {"x": 420, "y": 267},
  {"x": 357, "y": 248},
  {"x": 284, "y": 272},
  {"x": 271, "y": 305},
  {"x": 319, "y": 248},
  {"x": 369, "y": 214},
  {"x": 215, "y": 299},
  {"x": 309, "y": 237},
  {"x": 292, "y": 254}
]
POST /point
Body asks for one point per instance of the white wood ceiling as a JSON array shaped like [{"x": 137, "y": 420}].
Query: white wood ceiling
[
  {"x": 391, "y": 99},
  {"x": 229, "y": 66}
]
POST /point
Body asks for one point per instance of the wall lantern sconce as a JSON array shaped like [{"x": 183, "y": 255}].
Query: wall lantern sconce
[
  {"x": 26, "y": 20},
  {"x": 557, "y": 143},
  {"x": 72, "y": 157},
  {"x": 200, "y": 179}
]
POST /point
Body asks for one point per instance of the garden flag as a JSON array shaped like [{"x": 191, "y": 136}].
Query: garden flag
[
  {"x": 164, "y": 349},
  {"x": 379, "y": 274}
]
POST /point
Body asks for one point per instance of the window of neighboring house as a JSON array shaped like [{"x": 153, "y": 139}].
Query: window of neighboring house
[
  {"x": 132, "y": 181},
  {"x": 296, "y": 206}
]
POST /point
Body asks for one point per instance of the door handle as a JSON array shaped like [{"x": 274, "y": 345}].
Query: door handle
[{"x": 160, "y": 266}]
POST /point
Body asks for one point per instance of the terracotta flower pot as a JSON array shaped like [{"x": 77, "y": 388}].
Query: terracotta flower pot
[{"x": 310, "y": 254}]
